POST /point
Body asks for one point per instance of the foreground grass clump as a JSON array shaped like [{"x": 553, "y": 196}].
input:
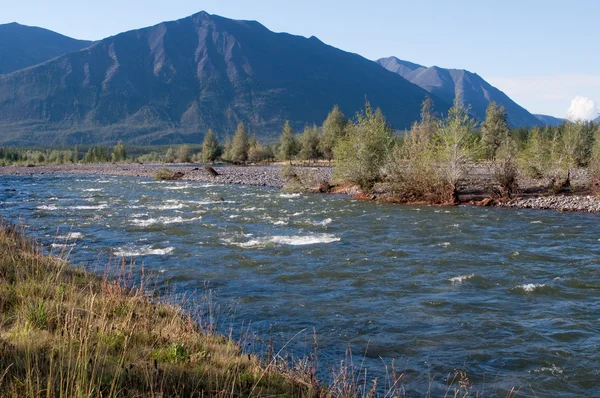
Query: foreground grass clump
[{"x": 67, "y": 333}]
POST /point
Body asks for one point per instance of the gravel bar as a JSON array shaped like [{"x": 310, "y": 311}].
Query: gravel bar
[{"x": 266, "y": 176}]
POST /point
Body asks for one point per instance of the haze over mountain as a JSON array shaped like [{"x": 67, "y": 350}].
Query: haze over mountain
[
  {"x": 23, "y": 46},
  {"x": 550, "y": 120},
  {"x": 469, "y": 87},
  {"x": 169, "y": 83}
]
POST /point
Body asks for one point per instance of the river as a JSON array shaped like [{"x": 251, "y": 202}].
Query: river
[{"x": 511, "y": 297}]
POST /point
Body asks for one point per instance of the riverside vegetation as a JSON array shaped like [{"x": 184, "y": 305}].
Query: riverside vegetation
[{"x": 429, "y": 163}]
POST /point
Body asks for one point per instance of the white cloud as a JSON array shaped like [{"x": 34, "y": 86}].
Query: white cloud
[
  {"x": 549, "y": 94},
  {"x": 583, "y": 108}
]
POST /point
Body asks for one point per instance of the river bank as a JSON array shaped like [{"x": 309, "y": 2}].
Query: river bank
[
  {"x": 66, "y": 332},
  {"x": 475, "y": 192}
]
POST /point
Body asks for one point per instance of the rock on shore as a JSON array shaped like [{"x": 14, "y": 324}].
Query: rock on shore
[{"x": 588, "y": 204}]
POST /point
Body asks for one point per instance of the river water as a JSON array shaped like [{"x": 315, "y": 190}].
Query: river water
[{"x": 510, "y": 297}]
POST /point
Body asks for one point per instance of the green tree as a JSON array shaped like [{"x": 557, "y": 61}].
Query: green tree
[
  {"x": 119, "y": 153},
  {"x": 310, "y": 143},
  {"x": 210, "y": 147},
  {"x": 454, "y": 146},
  {"x": 334, "y": 128},
  {"x": 170, "y": 156},
  {"x": 288, "y": 147},
  {"x": 184, "y": 154},
  {"x": 594, "y": 164},
  {"x": 362, "y": 153},
  {"x": 494, "y": 130},
  {"x": 577, "y": 141},
  {"x": 239, "y": 145},
  {"x": 76, "y": 155},
  {"x": 413, "y": 171}
]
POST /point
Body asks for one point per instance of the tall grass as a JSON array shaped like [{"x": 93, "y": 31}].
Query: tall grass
[{"x": 67, "y": 333}]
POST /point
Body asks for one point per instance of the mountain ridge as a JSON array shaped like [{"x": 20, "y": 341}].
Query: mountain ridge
[
  {"x": 469, "y": 87},
  {"x": 548, "y": 120},
  {"x": 170, "y": 82},
  {"x": 23, "y": 46}
]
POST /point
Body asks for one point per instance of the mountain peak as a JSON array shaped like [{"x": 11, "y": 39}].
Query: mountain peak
[
  {"x": 172, "y": 81},
  {"x": 469, "y": 87}
]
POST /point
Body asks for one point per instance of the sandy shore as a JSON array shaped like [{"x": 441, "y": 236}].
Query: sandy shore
[{"x": 270, "y": 176}]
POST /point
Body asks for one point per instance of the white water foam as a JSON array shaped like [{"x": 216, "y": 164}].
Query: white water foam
[
  {"x": 178, "y": 187},
  {"x": 293, "y": 240},
  {"x": 461, "y": 279},
  {"x": 142, "y": 251},
  {"x": 530, "y": 287},
  {"x": 163, "y": 220},
  {"x": 289, "y": 195},
  {"x": 93, "y": 190},
  {"x": 325, "y": 222},
  {"x": 47, "y": 207},
  {"x": 62, "y": 245},
  {"x": 168, "y": 207},
  {"x": 99, "y": 207},
  {"x": 71, "y": 236}
]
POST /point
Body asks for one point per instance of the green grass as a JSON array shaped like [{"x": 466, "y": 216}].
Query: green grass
[{"x": 67, "y": 333}]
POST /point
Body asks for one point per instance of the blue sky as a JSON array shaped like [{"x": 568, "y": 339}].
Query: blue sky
[{"x": 543, "y": 54}]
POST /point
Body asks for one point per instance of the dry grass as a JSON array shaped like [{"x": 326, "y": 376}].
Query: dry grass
[{"x": 67, "y": 333}]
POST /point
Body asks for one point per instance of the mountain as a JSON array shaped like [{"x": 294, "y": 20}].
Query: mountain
[
  {"x": 169, "y": 83},
  {"x": 23, "y": 46},
  {"x": 550, "y": 120},
  {"x": 469, "y": 87},
  {"x": 597, "y": 120}
]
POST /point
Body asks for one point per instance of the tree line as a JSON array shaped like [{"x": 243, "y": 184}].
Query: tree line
[
  {"x": 425, "y": 163},
  {"x": 433, "y": 158}
]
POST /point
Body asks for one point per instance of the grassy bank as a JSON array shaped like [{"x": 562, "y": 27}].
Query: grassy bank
[{"x": 67, "y": 333}]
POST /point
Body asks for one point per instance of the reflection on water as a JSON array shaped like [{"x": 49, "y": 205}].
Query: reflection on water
[{"x": 511, "y": 296}]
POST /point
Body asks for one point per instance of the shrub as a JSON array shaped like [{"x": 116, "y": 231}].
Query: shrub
[
  {"x": 361, "y": 155},
  {"x": 165, "y": 174}
]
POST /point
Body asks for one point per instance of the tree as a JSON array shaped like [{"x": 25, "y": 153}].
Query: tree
[
  {"x": 594, "y": 165},
  {"x": 334, "y": 128},
  {"x": 210, "y": 147},
  {"x": 310, "y": 143},
  {"x": 454, "y": 146},
  {"x": 288, "y": 147},
  {"x": 494, "y": 130},
  {"x": 239, "y": 146},
  {"x": 226, "y": 156},
  {"x": 413, "y": 172},
  {"x": 170, "y": 156},
  {"x": 577, "y": 141},
  {"x": 362, "y": 153},
  {"x": 119, "y": 154},
  {"x": 184, "y": 154}
]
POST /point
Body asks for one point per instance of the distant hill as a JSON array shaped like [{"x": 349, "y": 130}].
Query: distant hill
[
  {"x": 469, "y": 87},
  {"x": 169, "y": 83},
  {"x": 549, "y": 120},
  {"x": 597, "y": 120},
  {"x": 23, "y": 46}
]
